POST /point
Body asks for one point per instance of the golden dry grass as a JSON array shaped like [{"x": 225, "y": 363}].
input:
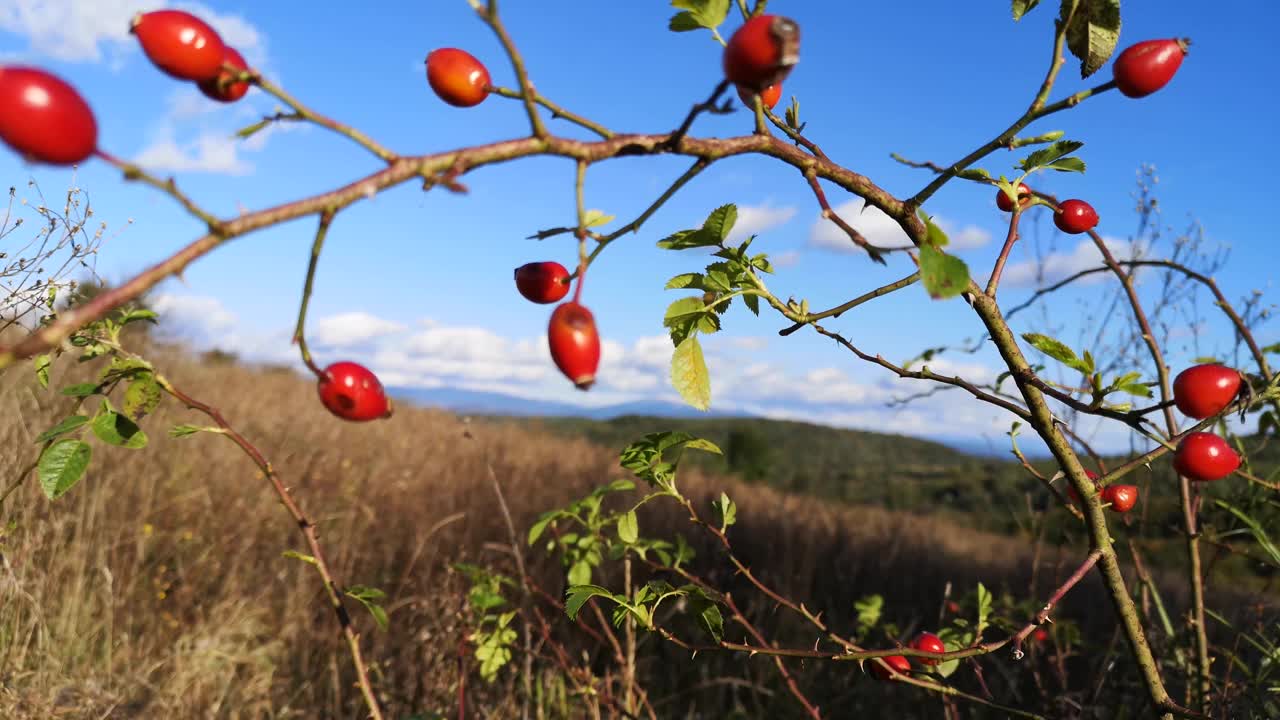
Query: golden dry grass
[{"x": 157, "y": 587}]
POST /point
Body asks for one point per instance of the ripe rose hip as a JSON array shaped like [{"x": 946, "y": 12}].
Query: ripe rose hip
[
  {"x": 1121, "y": 497},
  {"x": 575, "y": 344},
  {"x": 928, "y": 642},
  {"x": 1205, "y": 457},
  {"x": 897, "y": 662},
  {"x": 350, "y": 391},
  {"x": 180, "y": 44},
  {"x": 1075, "y": 216},
  {"x": 1148, "y": 66},
  {"x": 222, "y": 88},
  {"x": 769, "y": 96},
  {"x": 1071, "y": 489},
  {"x": 1204, "y": 390},
  {"x": 457, "y": 77},
  {"x": 542, "y": 282},
  {"x": 45, "y": 119},
  {"x": 762, "y": 52},
  {"x": 1004, "y": 203},
  {"x": 1040, "y": 635}
]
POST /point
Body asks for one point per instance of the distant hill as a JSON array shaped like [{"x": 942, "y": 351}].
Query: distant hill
[{"x": 476, "y": 402}]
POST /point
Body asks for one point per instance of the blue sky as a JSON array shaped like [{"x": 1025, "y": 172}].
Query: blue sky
[{"x": 419, "y": 285}]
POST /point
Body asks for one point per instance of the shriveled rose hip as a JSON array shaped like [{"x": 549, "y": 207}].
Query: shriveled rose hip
[
  {"x": 575, "y": 343},
  {"x": 223, "y": 88},
  {"x": 1148, "y": 66},
  {"x": 180, "y": 44},
  {"x": 457, "y": 77},
  {"x": 43, "y": 118},
  {"x": 352, "y": 392},
  {"x": 762, "y": 52}
]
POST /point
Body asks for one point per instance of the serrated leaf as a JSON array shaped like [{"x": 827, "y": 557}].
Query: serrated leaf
[
  {"x": 683, "y": 22},
  {"x": 578, "y": 595},
  {"x": 1069, "y": 164},
  {"x": 1057, "y": 350},
  {"x": 628, "y": 527},
  {"x": 62, "y": 465},
  {"x": 721, "y": 221},
  {"x": 689, "y": 373},
  {"x": 708, "y": 614},
  {"x": 974, "y": 174},
  {"x": 687, "y": 239},
  {"x": 702, "y": 13},
  {"x": 62, "y": 428},
  {"x": 1053, "y": 153},
  {"x": 686, "y": 280},
  {"x": 1022, "y": 7},
  {"x": 580, "y": 573},
  {"x": 142, "y": 397},
  {"x": 943, "y": 276},
  {"x": 42, "y": 363},
  {"x": 116, "y": 429},
  {"x": 1093, "y": 32},
  {"x": 1136, "y": 389},
  {"x": 80, "y": 390}
]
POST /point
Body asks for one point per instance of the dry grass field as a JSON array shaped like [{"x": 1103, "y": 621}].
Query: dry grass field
[{"x": 157, "y": 588}]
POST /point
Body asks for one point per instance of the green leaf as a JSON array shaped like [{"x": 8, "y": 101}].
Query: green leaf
[
  {"x": 728, "y": 511},
  {"x": 42, "y": 363},
  {"x": 682, "y": 308},
  {"x": 628, "y": 527},
  {"x": 62, "y": 428},
  {"x": 689, "y": 373},
  {"x": 868, "y": 610},
  {"x": 137, "y": 314},
  {"x": 722, "y": 219},
  {"x": 578, "y": 595},
  {"x": 115, "y": 429},
  {"x": 62, "y": 465},
  {"x": 1022, "y": 7},
  {"x": 142, "y": 397},
  {"x": 1056, "y": 350},
  {"x": 984, "y": 608},
  {"x": 80, "y": 390},
  {"x": 1069, "y": 164},
  {"x": 687, "y": 280},
  {"x": 181, "y": 431},
  {"x": 707, "y": 612},
  {"x": 942, "y": 275},
  {"x": 1255, "y": 528},
  {"x": 580, "y": 573},
  {"x": 1093, "y": 32},
  {"x": 974, "y": 174},
  {"x": 1272, "y": 348},
  {"x": 540, "y": 525},
  {"x": 596, "y": 218},
  {"x": 700, "y": 13},
  {"x": 753, "y": 303},
  {"x": 934, "y": 235},
  {"x": 686, "y": 239},
  {"x": 1136, "y": 389},
  {"x": 1053, "y": 153},
  {"x": 300, "y": 556}
]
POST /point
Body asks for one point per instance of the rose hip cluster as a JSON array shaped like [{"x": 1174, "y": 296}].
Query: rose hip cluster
[{"x": 1138, "y": 71}]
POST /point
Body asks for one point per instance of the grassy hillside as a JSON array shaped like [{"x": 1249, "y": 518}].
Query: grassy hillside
[{"x": 158, "y": 588}]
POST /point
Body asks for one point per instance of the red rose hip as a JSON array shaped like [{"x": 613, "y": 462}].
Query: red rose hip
[
  {"x": 1205, "y": 390},
  {"x": 223, "y": 88},
  {"x": 542, "y": 282},
  {"x": 1004, "y": 203},
  {"x": 769, "y": 96},
  {"x": 350, "y": 391},
  {"x": 1205, "y": 457},
  {"x": 457, "y": 77},
  {"x": 1121, "y": 497},
  {"x": 899, "y": 664},
  {"x": 180, "y": 44},
  {"x": 928, "y": 642},
  {"x": 1148, "y": 66},
  {"x": 1075, "y": 216},
  {"x": 1071, "y": 489},
  {"x": 575, "y": 343},
  {"x": 762, "y": 52},
  {"x": 45, "y": 119}
]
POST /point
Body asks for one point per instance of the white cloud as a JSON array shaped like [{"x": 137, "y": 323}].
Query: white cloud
[
  {"x": 80, "y": 30},
  {"x": 755, "y": 219},
  {"x": 785, "y": 259},
  {"x": 193, "y": 314},
  {"x": 352, "y": 328},
  {"x": 883, "y": 231},
  {"x": 209, "y": 152},
  {"x": 1057, "y": 266}
]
